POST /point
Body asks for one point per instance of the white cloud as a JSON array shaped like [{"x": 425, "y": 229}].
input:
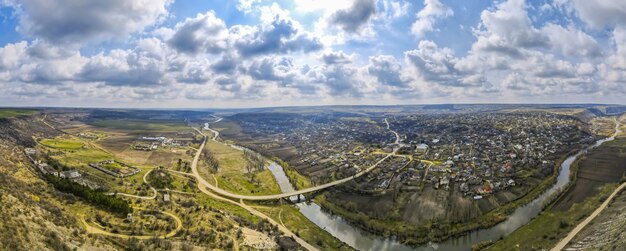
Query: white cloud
[
  {"x": 202, "y": 34},
  {"x": 433, "y": 10},
  {"x": 79, "y": 21},
  {"x": 11, "y": 54},
  {"x": 599, "y": 13},
  {"x": 572, "y": 41}
]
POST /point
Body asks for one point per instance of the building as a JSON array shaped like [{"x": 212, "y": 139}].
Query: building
[
  {"x": 71, "y": 174},
  {"x": 30, "y": 151},
  {"x": 421, "y": 148}
]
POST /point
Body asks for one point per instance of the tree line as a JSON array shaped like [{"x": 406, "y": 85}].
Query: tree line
[{"x": 95, "y": 197}]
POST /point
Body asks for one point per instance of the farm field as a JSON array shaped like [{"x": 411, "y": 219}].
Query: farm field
[
  {"x": 140, "y": 125},
  {"x": 603, "y": 165},
  {"x": 8, "y": 113}
]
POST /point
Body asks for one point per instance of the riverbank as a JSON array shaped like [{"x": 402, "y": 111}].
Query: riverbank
[
  {"x": 578, "y": 201},
  {"x": 437, "y": 230},
  {"x": 550, "y": 226}
]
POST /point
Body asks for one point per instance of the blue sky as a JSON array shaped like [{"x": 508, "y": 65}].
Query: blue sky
[{"x": 247, "y": 53}]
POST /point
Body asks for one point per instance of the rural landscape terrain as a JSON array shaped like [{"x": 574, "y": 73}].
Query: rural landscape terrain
[
  {"x": 339, "y": 125},
  {"x": 313, "y": 178}
]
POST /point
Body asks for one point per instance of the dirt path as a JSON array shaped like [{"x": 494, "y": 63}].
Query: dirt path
[
  {"x": 580, "y": 226},
  {"x": 154, "y": 191},
  {"x": 95, "y": 230},
  {"x": 255, "y": 212}
]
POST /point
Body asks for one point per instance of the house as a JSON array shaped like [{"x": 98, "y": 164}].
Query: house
[
  {"x": 30, "y": 151},
  {"x": 511, "y": 182},
  {"x": 421, "y": 148},
  {"x": 71, "y": 174}
]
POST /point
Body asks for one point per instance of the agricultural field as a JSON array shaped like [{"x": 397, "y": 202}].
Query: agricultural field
[
  {"x": 8, "y": 113},
  {"x": 63, "y": 143},
  {"x": 603, "y": 165},
  {"x": 144, "y": 126}
]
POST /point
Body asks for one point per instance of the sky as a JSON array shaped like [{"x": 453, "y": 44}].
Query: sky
[{"x": 253, "y": 53}]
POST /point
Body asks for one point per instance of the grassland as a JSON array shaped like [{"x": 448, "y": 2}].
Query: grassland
[
  {"x": 291, "y": 218},
  {"x": 140, "y": 125},
  {"x": 9, "y": 113},
  {"x": 232, "y": 167},
  {"x": 63, "y": 143}
]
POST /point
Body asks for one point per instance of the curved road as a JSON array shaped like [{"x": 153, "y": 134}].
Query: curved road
[
  {"x": 394, "y": 132},
  {"x": 154, "y": 195},
  {"x": 194, "y": 169},
  {"x": 95, "y": 230}
]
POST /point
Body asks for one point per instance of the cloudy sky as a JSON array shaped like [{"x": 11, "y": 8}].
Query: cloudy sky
[{"x": 250, "y": 53}]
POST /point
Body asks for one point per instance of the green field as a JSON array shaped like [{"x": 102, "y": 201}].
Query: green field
[
  {"x": 140, "y": 125},
  {"x": 62, "y": 144},
  {"x": 9, "y": 113}
]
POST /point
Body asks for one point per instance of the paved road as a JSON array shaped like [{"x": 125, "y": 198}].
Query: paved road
[
  {"x": 580, "y": 226},
  {"x": 194, "y": 169}
]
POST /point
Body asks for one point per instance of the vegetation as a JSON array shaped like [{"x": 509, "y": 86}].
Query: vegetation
[
  {"x": 62, "y": 144},
  {"x": 232, "y": 167},
  {"x": 160, "y": 179},
  {"x": 9, "y": 113},
  {"x": 95, "y": 197}
]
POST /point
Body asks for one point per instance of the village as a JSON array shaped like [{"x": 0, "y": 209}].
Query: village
[{"x": 475, "y": 154}]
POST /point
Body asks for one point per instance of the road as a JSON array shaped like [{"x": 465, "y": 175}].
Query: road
[
  {"x": 154, "y": 192},
  {"x": 394, "y": 132},
  {"x": 94, "y": 230},
  {"x": 580, "y": 226},
  {"x": 194, "y": 169}
]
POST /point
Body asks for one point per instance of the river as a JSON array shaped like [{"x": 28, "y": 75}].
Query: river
[{"x": 363, "y": 240}]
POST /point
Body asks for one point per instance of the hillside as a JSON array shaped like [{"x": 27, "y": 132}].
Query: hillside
[{"x": 33, "y": 217}]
